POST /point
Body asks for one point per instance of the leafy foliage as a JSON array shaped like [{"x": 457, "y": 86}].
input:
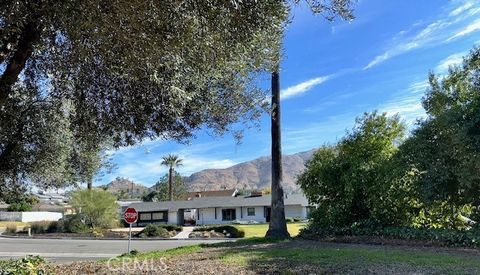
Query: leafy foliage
[
  {"x": 74, "y": 224},
  {"x": 153, "y": 230},
  {"x": 229, "y": 230},
  {"x": 26, "y": 266},
  {"x": 442, "y": 236},
  {"x": 97, "y": 208},
  {"x": 19, "y": 207},
  {"x": 427, "y": 188},
  {"x": 20, "y": 202},
  {"x": 444, "y": 148},
  {"x": 161, "y": 189},
  {"x": 346, "y": 180}
]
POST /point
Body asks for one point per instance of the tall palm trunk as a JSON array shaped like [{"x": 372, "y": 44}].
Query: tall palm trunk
[
  {"x": 170, "y": 184},
  {"x": 89, "y": 184},
  {"x": 278, "y": 226}
]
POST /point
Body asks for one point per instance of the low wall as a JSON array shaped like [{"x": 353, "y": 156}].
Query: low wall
[
  {"x": 30, "y": 216},
  {"x": 11, "y": 216}
]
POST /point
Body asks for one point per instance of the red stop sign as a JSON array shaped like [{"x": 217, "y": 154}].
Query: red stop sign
[{"x": 130, "y": 215}]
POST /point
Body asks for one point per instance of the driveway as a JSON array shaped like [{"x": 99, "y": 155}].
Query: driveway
[{"x": 64, "y": 250}]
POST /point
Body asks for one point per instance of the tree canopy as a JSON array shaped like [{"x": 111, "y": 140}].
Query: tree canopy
[
  {"x": 430, "y": 179},
  {"x": 161, "y": 189},
  {"x": 77, "y": 76},
  {"x": 344, "y": 179}
]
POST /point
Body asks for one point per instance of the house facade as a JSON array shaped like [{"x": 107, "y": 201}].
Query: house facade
[{"x": 218, "y": 210}]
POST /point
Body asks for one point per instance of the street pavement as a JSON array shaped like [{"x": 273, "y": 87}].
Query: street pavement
[{"x": 67, "y": 250}]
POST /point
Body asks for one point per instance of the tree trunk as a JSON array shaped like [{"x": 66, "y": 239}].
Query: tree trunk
[
  {"x": 28, "y": 37},
  {"x": 89, "y": 184},
  {"x": 170, "y": 184},
  {"x": 278, "y": 226}
]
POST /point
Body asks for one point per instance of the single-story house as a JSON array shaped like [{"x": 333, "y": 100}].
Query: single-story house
[
  {"x": 213, "y": 193},
  {"x": 218, "y": 210}
]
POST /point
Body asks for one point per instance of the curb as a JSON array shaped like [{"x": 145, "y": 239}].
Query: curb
[{"x": 111, "y": 239}]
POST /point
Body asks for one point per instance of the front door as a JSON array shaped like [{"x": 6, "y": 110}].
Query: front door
[{"x": 268, "y": 211}]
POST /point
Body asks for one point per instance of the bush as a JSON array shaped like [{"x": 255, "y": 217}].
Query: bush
[
  {"x": 73, "y": 224},
  {"x": 11, "y": 228},
  {"x": 27, "y": 265},
  {"x": 171, "y": 227},
  {"x": 289, "y": 220},
  {"x": 97, "y": 207},
  {"x": 298, "y": 219},
  {"x": 153, "y": 230},
  {"x": 443, "y": 236},
  {"x": 55, "y": 227},
  {"x": 39, "y": 227},
  {"x": 228, "y": 230},
  {"x": 19, "y": 207}
]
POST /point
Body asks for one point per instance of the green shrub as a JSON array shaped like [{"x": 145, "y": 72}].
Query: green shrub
[
  {"x": 97, "y": 207},
  {"x": 153, "y": 230},
  {"x": 298, "y": 219},
  {"x": 228, "y": 230},
  {"x": 73, "y": 224},
  {"x": 289, "y": 220},
  {"x": 27, "y": 265},
  {"x": 55, "y": 227},
  {"x": 441, "y": 236},
  {"x": 171, "y": 227},
  {"x": 39, "y": 227},
  {"x": 11, "y": 228},
  {"x": 19, "y": 207}
]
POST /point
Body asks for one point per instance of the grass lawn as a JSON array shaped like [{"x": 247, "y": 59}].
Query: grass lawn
[
  {"x": 311, "y": 257},
  {"x": 259, "y": 255},
  {"x": 259, "y": 230}
]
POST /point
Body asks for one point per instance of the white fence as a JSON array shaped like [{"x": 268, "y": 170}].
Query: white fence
[{"x": 30, "y": 216}]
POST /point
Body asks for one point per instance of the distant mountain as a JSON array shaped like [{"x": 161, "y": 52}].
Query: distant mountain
[
  {"x": 125, "y": 186},
  {"x": 254, "y": 174}
]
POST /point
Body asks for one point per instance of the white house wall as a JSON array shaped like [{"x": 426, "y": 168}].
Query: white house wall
[
  {"x": 294, "y": 211},
  {"x": 172, "y": 217},
  {"x": 207, "y": 215}
]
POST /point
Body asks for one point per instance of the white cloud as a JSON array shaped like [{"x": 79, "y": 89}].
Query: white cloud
[
  {"x": 407, "y": 103},
  {"x": 466, "y": 6},
  {"x": 454, "y": 25},
  {"x": 451, "y": 60},
  {"x": 315, "y": 134},
  {"x": 473, "y": 27},
  {"x": 303, "y": 87}
]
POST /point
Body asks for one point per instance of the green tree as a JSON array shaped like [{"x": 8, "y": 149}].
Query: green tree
[
  {"x": 161, "y": 189},
  {"x": 346, "y": 180},
  {"x": 444, "y": 147},
  {"x": 97, "y": 207},
  {"x": 171, "y": 161},
  {"x": 83, "y": 64}
]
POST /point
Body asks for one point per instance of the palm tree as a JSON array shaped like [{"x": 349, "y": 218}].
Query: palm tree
[
  {"x": 171, "y": 161},
  {"x": 278, "y": 225}
]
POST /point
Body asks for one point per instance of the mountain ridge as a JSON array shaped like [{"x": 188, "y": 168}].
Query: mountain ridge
[{"x": 253, "y": 174}]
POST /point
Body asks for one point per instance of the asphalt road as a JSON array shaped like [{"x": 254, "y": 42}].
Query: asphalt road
[{"x": 64, "y": 251}]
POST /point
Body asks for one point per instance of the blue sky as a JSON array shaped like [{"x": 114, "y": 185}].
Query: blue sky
[{"x": 332, "y": 73}]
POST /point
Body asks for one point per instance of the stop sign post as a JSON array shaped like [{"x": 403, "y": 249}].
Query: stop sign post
[{"x": 130, "y": 216}]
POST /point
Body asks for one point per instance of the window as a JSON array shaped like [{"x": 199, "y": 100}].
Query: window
[
  {"x": 228, "y": 214},
  {"x": 251, "y": 211},
  {"x": 159, "y": 216},
  {"x": 145, "y": 216}
]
